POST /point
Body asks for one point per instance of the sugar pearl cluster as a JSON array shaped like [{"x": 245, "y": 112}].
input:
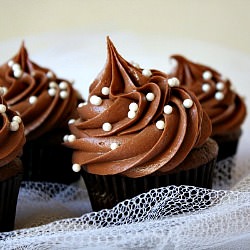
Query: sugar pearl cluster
[
  {"x": 133, "y": 108},
  {"x": 14, "y": 124},
  {"x": 63, "y": 86},
  {"x": 219, "y": 95},
  {"x": 16, "y": 68},
  {"x": 168, "y": 109},
  {"x": 69, "y": 138},
  {"x": 173, "y": 82},
  {"x": 97, "y": 100},
  {"x": 16, "y": 120}
]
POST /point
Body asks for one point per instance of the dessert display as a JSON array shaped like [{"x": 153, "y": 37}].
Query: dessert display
[
  {"x": 225, "y": 107},
  {"x": 12, "y": 140},
  {"x": 45, "y": 103},
  {"x": 139, "y": 130}
]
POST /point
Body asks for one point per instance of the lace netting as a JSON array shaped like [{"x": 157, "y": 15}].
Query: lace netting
[{"x": 172, "y": 217}]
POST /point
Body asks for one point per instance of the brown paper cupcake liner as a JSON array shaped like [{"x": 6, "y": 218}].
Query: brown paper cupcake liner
[
  {"x": 107, "y": 191},
  {"x": 228, "y": 144},
  {"x": 9, "y": 190},
  {"x": 46, "y": 159}
]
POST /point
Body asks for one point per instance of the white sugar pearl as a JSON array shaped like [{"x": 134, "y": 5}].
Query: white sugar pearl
[
  {"x": 135, "y": 64},
  {"x": 64, "y": 94},
  {"x": 32, "y": 99},
  {"x": 147, "y": 72},
  {"x": 232, "y": 88},
  {"x": 71, "y": 121},
  {"x": 131, "y": 114},
  {"x": 71, "y": 138},
  {"x": 63, "y": 85},
  {"x": 105, "y": 91},
  {"x": 65, "y": 138},
  {"x": 33, "y": 73},
  {"x": 95, "y": 100},
  {"x": 188, "y": 103},
  {"x": 205, "y": 87},
  {"x": 173, "y": 63},
  {"x": 17, "y": 119},
  {"x": 2, "y": 108},
  {"x": 150, "y": 96},
  {"x": 160, "y": 124},
  {"x": 168, "y": 109},
  {"x": 133, "y": 106},
  {"x": 3, "y": 90},
  {"x": 17, "y": 73},
  {"x": 53, "y": 84},
  {"x": 114, "y": 145},
  {"x": 173, "y": 82},
  {"x": 82, "y": 104},
  {"x": 16, "y": 66},
  {"x": 10, "y": 63},
  {"x": 106, "y": 126},
  {"x": 14, "y": 126},
  {"x": 76, "y": 167},
  {"x": 49, "y": 74},
  {"x": 52, "y": 92},
  {"x": 207, "y": 75},
  {"x": 220, "y": 86},
  {"x": 219, "y": 96}
]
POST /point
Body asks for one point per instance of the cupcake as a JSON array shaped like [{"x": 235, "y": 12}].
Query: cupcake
[
  {"x": 138, "y": 131},
  {"x": 12, "y": 140},
  {"x": 45, "y": 103},
  {"x": 224, "y": 106}
]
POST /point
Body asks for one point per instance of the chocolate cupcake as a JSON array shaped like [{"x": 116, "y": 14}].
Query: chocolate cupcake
[
  {"x": 136, "y": 132},
  {"x": 224, "y": 106},
  {"x": 45, "y": 103},
  {"x": 12, "y": 140}
]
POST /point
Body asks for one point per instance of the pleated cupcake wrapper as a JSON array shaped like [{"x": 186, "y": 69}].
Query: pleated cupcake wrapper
[
  {"x": 227, "y": 149},
  {"x": 46, "y": 159},
  {"x": 9, "y": 190},
  {"x": 107, "y": 191}
]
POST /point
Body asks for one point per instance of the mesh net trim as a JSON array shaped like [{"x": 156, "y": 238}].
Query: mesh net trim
[{"x": 172, "y": 217}]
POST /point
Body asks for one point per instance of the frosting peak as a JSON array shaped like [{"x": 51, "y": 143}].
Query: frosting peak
[{"x": 134, "y": 123}]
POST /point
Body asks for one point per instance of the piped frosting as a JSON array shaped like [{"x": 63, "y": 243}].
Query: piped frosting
[
  {"x": 43, "y": 100},
  {"x": 12, "y": 136},
  {"x": 165, "y": 126},
  {"x": 224, "y": 106}
]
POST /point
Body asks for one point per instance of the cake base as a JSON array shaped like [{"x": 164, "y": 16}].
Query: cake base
[{"x": 105, "y": 191}]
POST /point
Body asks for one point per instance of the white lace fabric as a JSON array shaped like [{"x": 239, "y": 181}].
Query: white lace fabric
[{"x": 54, "y": 216}]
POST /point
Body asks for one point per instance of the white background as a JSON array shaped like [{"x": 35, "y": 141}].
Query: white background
[{"x": 224, "y": 22}]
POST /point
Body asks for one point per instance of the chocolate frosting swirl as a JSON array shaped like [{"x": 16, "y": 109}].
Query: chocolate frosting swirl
[
  {"x": 43, "y": 101},
  {"x": 224, "y": 106},
  {"x": 149, "y": 140},
  {"x": 12, "y": 136}
]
